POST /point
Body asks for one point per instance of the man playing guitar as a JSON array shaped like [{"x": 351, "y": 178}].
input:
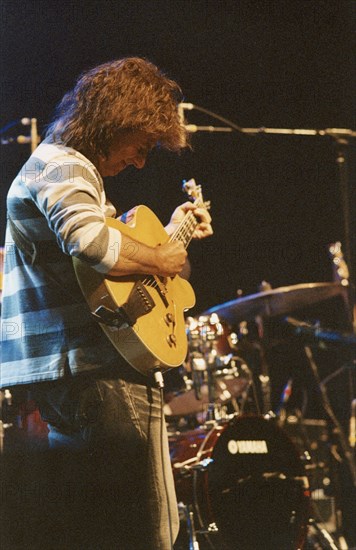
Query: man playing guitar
[{"x": 91, "y": 398}]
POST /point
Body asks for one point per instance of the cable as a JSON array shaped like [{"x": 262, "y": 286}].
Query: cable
[
  {"x": 218, "y": 117},
  {"x": 160, "y": 384}
]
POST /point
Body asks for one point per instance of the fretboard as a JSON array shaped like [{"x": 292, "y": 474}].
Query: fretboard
[{"x": 185, "y": 230}]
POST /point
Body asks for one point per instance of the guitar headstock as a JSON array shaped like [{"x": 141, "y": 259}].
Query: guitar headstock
[{"x": 195, "y": 193}]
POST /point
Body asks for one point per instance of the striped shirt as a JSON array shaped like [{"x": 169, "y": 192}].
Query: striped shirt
[{"x": 58, "y": 202}]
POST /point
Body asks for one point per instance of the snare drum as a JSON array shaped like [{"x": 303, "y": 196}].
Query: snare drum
[{"x": 245, "y": 482}]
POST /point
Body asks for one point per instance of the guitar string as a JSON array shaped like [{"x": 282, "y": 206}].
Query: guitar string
[
  {"x": 185, "y": 228},
  {"x": 183, "y": 233}
]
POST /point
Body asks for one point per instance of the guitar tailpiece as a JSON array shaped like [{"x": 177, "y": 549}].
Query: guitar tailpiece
[{"x": 107, "y": 316}]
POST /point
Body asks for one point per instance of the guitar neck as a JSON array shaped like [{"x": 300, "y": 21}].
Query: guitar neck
[{"x": 185, "y": 230}]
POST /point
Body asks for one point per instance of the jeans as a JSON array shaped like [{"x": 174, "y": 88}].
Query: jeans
[{"x": 112, "y": 431}]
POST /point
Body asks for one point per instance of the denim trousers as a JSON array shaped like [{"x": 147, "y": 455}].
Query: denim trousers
[{"x": 112, "y": 432}]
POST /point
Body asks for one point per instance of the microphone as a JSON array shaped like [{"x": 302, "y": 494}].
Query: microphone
[
  {"x": 186, "y": 106},
  {"x": 181, "y": 108},
  {"x": 193, "y": 128},
  {"x": 181, "y": 114}
]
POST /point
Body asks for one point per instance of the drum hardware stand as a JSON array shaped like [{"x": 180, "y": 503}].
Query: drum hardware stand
[
  {"x": 327, "y": 538},
  {"x": 264, "y": 376},
  {"x": 352, "y": 429},
  {"x": 339, "y": 432},
  {"x": 352, "y": 435},
  {"x": 191, "y": 531},
  {"x": 198, "y": 367},
  {"x": 251, "y": 386},
  {"x": 202, "y": 363},
  {"x": 212, "y": 406},
  {"x": 5, "y": 397},
  {"x": 329, "y": 411},
  {"x": 342, "y": 142},
  {"x": 318, "y": 523},
  {"x": 187, "y": 510},
  {"x": 198, "y": 376}
]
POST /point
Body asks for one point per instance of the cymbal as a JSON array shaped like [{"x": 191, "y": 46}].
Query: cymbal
[{"x": 276, "y": 301}]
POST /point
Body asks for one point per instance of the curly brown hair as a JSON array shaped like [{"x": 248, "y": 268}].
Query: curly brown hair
[{"x": 123, "y": 95}]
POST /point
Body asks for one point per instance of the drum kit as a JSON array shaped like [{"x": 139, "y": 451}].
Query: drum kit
[
  {"x": 247, "y": 473},
  {"x": 247, "y": 476}
]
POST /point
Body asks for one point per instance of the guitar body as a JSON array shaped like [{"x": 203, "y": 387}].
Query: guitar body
[{"x": 156, "y": 338}]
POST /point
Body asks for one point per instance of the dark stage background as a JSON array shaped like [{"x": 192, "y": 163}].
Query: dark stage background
[{"x": 275, "y": 199}]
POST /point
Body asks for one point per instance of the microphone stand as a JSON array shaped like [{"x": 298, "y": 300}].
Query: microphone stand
[
  {"x": 341, "y": 136},
  {"x": 346, "y": 205},
  {"x": 34, "y": 135},
  {"x": 33, "y": 139}
]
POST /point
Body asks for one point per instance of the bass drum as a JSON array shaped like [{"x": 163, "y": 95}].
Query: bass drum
[{"x": 245, "y": 483}]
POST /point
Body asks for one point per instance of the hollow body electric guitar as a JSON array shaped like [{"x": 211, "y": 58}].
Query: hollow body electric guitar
[{"x": 143, "y": 316}]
